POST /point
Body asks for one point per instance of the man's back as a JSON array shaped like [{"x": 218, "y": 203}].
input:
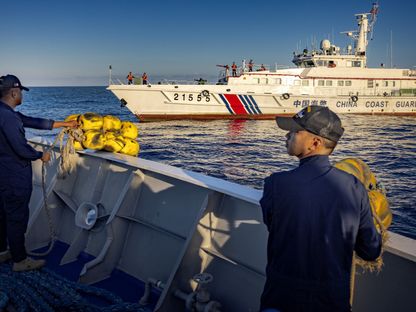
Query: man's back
[{"x": 316, "y": 215}]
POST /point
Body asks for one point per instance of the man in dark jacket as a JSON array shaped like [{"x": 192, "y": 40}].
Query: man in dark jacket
[
  {"x": 16, "y": 156},
  {"x": 316, "y": 216}
]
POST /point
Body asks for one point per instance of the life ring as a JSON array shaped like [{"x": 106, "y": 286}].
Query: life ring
[
  {"x": 205, "y": 92},
  {"x": 354, "y": 98},
  {"x": 285, "y": 96}
]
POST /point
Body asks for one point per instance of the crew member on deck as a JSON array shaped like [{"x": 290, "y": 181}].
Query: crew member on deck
[
  {"x": 316, "y": 215},
  {"x": 250, "y": 66},
  {"x": 144, "y": 78},
  {"x": 16, "y": 156},
  {"x": 234, "y": 69},
  {"x": 130, "y": 78}
]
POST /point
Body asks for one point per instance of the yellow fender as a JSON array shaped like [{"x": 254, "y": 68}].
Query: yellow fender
[
  {"x": 90, "y": 121},
  {"x": 78, "y": 145},
  {"x": 111, "y": 123},
  {"x": 72, "y": 117},
  {"x": 113, "y": 143},
  {"x": 378, "y": 201},
  {"x": 381, "y": 209},
  {"x": 94, "y": 140},
  {"x": 129, "y": 130},
  {"x": 131, "y": 147}
]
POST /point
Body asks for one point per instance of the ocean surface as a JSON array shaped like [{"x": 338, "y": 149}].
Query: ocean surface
[{"x": 246, "y": 152}]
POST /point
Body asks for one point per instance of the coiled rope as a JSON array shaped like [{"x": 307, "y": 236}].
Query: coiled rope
[
  {"x": 66, "y": 165},
  {"x": 44, "y": 291}
]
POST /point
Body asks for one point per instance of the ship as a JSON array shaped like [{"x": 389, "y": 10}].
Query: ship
[
  {"x": 161, "y": 238},
  {"x": 331, "y": 76}
]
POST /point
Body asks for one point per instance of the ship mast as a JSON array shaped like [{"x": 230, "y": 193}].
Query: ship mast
[{"x": 365, "y": 26}]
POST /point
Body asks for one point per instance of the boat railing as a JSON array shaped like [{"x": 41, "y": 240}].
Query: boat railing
[{"x": 138, "y": 81}]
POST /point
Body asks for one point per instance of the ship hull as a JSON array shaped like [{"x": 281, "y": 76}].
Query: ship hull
[{"x": 149, "y": 103}]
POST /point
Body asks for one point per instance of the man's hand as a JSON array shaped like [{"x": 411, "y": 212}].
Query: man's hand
[
  {"x": 46, "y": 157},
  {"x": 71, "y": 124}
]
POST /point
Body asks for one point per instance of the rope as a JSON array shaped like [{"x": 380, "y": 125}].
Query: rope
[
  {"x": 66, "y": 166},
  {"x": 45, "y": 291}
]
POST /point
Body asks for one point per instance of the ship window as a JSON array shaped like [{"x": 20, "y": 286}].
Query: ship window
[
  {"x": 296, "y": 83},
  {"x": 370, "y": 84},
  {"x": 386, "y": 83},
  {"x": 340, "y": 83},
  {"x": 356, "y": 64},
  {"x": 258, "y": 80},
  {"x": 264, "y": 81},
  {"x": 348, "y": 83},
  {"x": 393, "y": 83},
  {"x": 278, "y": 81},
  {"x": 305, "y": 83},
  {"x": 329, "y": 83},
  {"x": 321, "y": 83}
]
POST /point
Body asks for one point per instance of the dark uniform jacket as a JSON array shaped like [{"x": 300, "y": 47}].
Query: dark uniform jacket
[
  {"x": 16, "y": 154},
  {"x": 316, "y": 216}
]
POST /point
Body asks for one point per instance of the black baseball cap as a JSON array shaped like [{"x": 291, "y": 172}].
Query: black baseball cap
[
  {"x": 11, "y": 81},
  {"x": 319, "y": 120}
]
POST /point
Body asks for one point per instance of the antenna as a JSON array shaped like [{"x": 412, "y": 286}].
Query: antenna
[{"x": 391, "y": 48}]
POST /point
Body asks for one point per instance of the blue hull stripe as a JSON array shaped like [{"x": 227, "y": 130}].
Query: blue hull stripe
[
  {"x": 255, "y": 104},
  {"x": 247, "y": 97},
  {"x": 226, "y": 103},
  {"x": 248, "y": 108},
  {"x": 250, "y": 104}
]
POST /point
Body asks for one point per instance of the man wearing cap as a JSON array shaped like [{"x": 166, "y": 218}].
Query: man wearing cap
[
  {"x": 16, "y": 156},
  {"x": 316, "y": 215}
]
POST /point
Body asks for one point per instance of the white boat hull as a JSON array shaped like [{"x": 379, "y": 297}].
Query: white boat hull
[{"x": 166, "y": 102}]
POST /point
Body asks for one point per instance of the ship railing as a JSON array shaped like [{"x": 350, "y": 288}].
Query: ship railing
[
  {"x": 410, "y": 72},
  {"x": 138, "y": 81}
]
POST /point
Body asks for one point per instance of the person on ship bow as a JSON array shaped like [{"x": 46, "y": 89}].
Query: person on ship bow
[
  {"x": 16, "y": 156},
  {"x": 234, "y": 69},
  {"x": 316, "y": 216},
  {"x": 250, "y": 66},
  {"x": 144, "y": 78},
  {"x": 130, "y": 78}
]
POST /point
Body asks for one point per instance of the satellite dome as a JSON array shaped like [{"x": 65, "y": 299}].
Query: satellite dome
[{"x": 325, "y": 44}]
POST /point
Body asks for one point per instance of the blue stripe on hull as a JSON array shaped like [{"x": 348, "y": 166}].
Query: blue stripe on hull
[
  {"x": 255, "y": 104},
  {"x": 226, "y": 103},
  {"x": 250, "y": 111}
]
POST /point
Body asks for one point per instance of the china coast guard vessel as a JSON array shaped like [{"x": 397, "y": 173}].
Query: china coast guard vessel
[{"x": 329, "y": 77}]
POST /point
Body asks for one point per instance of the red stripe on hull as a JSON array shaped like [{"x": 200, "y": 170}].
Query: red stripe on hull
[{"x": 236, "y": 104}]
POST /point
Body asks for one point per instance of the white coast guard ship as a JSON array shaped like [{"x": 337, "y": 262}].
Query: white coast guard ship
[{"x": 328, "y": 77}]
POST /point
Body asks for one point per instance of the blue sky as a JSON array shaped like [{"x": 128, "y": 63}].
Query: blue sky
[{"x": 72, "y": 42}]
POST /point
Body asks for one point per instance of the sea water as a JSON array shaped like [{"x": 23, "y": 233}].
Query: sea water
[{"x": 247, "y": 151}]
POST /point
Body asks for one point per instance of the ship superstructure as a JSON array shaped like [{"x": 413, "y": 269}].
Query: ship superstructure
[{"x": 329, "y": 77}]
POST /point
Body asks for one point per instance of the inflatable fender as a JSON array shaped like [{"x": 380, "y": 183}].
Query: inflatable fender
[{"x": 379, "y": 204}]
